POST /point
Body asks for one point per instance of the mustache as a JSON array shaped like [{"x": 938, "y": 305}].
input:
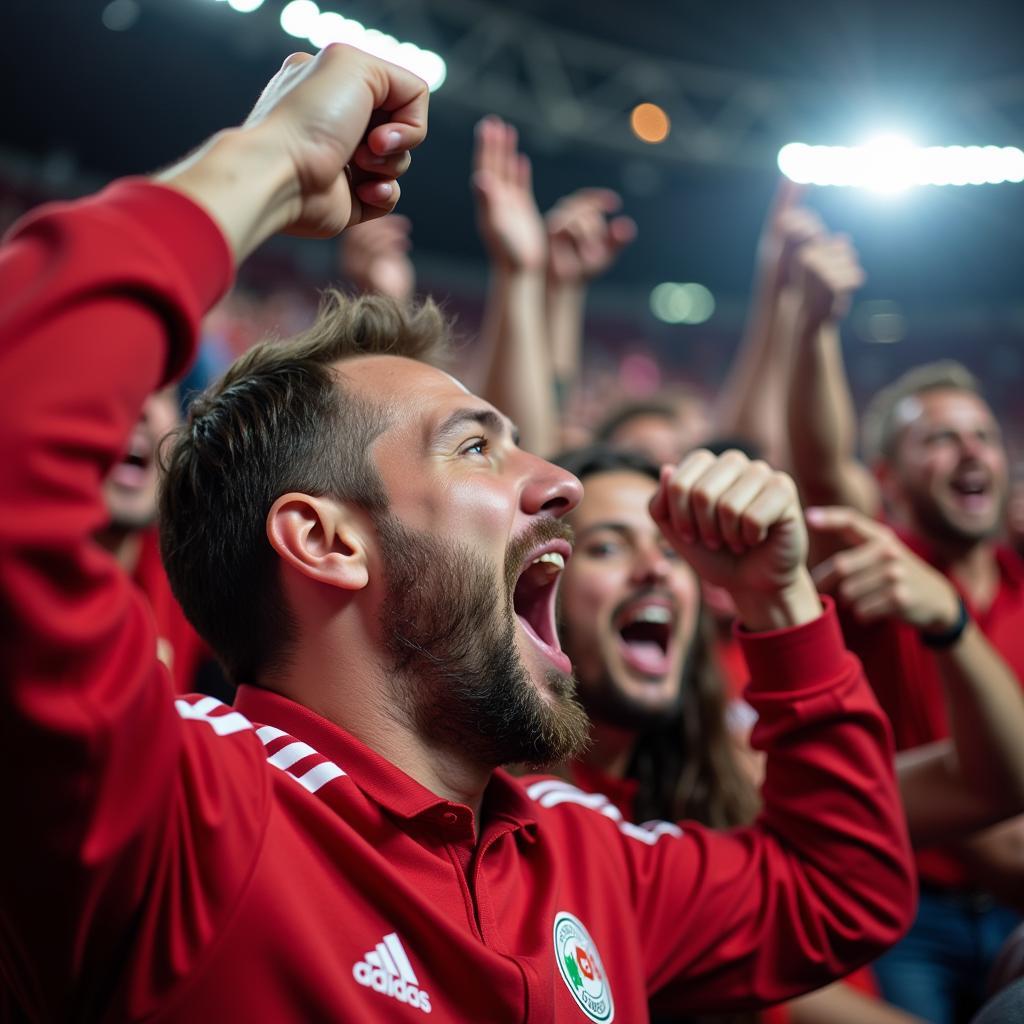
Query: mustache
[{"x": 541, "y": 532}]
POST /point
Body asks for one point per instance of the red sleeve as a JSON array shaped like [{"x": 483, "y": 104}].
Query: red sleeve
[
  {"x": 822, "y": 882},
  {"x": 107, "y": 798}
]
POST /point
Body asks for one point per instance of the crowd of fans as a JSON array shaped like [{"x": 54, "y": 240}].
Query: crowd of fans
[{"x": 849, "y": 852}]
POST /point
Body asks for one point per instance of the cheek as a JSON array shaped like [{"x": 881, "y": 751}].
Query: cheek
[
  {"x": 586, "y": 603},
  {"x": 472, "y": 510}
]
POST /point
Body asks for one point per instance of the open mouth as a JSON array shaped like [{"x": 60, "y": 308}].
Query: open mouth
[
  {"x": 533, "y": 600},
  {"x": 645, "y": 629},
  {"x": 972, "y": 490},
  {"x": 134, "y": 468}
]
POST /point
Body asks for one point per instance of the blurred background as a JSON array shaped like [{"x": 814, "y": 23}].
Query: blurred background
[{"x": 95, "y": 89}]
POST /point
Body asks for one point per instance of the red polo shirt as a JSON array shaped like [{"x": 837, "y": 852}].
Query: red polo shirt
[
  {"x": 178, "y": 645},
  {"x": 905, "y": 676},
  {"x": 181, "y": 859}
]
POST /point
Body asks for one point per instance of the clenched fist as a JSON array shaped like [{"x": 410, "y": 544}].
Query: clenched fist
[{"x": 739, "y": 525}]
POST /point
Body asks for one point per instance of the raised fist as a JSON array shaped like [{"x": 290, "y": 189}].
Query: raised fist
[
  {"x": 738, "y": 523},
  {"x": 346, "y": 121}
]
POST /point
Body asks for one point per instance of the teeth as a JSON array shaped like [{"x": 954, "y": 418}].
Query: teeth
[
  {"x": 652, "y": 613},
  {"x": 552, "y": 558}
]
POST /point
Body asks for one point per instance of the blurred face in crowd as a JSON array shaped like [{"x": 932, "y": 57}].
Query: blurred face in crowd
[
  {"x": 470, "y": 553},
  {"x": 130, "y": 489},
  {"x": 628, "y": 605},
  {"x": 663, "y": 439},
  {"x": 949, "y": 467}
]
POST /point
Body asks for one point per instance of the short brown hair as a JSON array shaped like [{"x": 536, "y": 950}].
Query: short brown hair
[
  {"x": 279, "y": 420},
  {"x": 881, "y": 425}
]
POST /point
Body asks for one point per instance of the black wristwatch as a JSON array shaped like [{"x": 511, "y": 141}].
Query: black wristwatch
[{"x": 947, "y": 638}]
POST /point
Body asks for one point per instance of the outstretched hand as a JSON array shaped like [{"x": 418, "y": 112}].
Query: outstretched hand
[
  {"x": 584, "y": 238},
  {"x": 739, "y": 525},
  {"x": 787, "y": 227},
  {"x": 877, "y": 576},
  {"x": 508, "y": 219},
  {"x": 827, "y": 273}
]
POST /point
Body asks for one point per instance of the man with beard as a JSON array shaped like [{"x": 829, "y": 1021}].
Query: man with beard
[
  {"x": 932, "y": 604},
  {"x": 374, "y": 559}
]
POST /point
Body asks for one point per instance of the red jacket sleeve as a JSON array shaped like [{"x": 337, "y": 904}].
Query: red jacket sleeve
[
  {"x": 823, "y": 881},
  {"x": 105, "y": 798}
]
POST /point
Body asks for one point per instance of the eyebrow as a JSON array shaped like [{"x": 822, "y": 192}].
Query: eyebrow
[
  {"x": 619, "y": 528},
  {"x": 486, "y": 418}
]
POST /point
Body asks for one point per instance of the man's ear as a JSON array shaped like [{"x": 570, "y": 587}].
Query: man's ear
[{"x": 322, "y": 538}]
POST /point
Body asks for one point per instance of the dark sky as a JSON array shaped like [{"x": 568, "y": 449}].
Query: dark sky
[{"x": 129, "y": 101}]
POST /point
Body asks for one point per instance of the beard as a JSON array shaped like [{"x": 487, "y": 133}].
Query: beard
[
  {"x": 449, "y": 630},
  {"x": 934, "y": 522},
  {"x": 606, "y": 702}
]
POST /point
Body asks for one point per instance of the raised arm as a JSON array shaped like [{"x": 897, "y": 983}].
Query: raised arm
[
  {"x": 585, "y": 237},
  {"x": 822, "y": 425},
  {"x": 877, "y": 576},
  {"x": 518, "y": 377},
  {"x": 101, "y": 301},
  {"x": 751, "y": 401},
  {"x": 823, "y": 881}
]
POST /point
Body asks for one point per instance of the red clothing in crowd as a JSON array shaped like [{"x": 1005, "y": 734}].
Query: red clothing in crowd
[
  {"x": 177, "y": 644},
  {"x": 621, "y": 794},
  {"x": 906, "y": 679},
  {"x": 187, "y": 860}
]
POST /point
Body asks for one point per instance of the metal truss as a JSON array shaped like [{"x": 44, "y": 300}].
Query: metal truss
[{"x": 567, "y": 88}]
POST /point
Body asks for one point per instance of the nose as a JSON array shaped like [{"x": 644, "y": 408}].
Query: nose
[
  {"x": 651, "y": 564},
  {"x": 549, "y": 489}
]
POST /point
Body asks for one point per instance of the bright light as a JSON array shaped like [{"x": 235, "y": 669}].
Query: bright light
[
  {"x": 299, "y": 18},
  {"x": 649, "y": 123},
  {"x": 682, "y": 303},
  {"x": 892, "y": 164},
  {"x": 304, "y": 20},
  {"x": 245, "y": 6}
]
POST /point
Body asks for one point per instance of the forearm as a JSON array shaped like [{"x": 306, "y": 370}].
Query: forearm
[
  {"x": 244, "y": 182},
  {"x": 518, "y": 379},
  {"x": 566, "y": 307},
  {"x": 939, "y": 805},
  {"x": 986, "y": 714},
  {"x": 821, "y": 424},
  {"x": 751, "y": 399},
  {"x": 841, "y": 1004},
  {"x": 761, "y": 611}
]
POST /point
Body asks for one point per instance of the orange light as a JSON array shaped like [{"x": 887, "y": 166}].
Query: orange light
[{"x": 649, "y": 123}]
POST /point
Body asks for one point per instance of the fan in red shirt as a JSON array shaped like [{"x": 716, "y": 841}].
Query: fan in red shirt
[
  {"x": 130, "y": 494},
  {"x": 374, "y": 559},
  {"x": 631, "y": 620},
  {"x": 932, "y": 604}
]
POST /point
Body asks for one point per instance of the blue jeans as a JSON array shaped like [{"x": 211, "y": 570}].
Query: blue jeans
[{"x": 940, "y": 968}]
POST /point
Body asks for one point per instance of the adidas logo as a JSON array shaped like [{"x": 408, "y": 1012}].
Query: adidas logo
[{"x": 386, "y": 969}]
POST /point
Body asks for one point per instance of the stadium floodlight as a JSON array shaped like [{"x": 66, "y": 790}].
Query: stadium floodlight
[
  {"x": 892, "y": 164},
  {"x": 304, "y": 20}
]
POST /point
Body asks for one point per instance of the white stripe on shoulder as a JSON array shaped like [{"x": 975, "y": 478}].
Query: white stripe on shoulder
[
  {"x": 553, "y": 792},
  {"x": 216, "y": 714},
  {"x": 313, "y": 775}
]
